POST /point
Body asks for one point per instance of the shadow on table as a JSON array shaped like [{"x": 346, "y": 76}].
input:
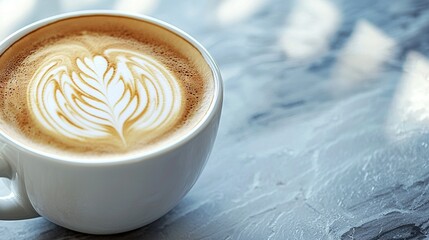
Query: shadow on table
[
  {"x": 167, "y": 227},
  {"x": 57, "y": 232},
  {"x": 148, "y": 232}
]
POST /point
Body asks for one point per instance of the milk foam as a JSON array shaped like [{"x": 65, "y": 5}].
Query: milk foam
[
  {"x": 102, "y": 85},
  {"x": 116, "y": 93}
]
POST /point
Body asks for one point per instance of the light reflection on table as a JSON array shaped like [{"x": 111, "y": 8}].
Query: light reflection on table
[{"x": 325, "y": 122}]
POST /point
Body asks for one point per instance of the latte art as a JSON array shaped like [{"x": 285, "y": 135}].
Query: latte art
[
  {"x": 101, "y": 85},
  {"x": 117, "y": 94}
]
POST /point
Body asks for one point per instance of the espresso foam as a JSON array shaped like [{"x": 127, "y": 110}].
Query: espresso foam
[{"x": 102, "y": 85}]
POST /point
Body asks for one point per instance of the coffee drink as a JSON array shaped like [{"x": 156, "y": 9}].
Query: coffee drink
[{"x": 99, "y": 85}]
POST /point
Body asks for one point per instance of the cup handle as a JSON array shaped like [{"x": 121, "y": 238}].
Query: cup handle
[{"x": 14, "y": 206}]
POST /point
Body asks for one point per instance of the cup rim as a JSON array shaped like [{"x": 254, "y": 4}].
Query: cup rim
[{"x": 215, "y": 103}]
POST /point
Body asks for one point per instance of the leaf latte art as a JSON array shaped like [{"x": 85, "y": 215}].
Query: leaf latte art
[{"x": 118, "y": 94}]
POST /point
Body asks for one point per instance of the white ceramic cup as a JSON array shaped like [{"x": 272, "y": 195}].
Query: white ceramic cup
[{"x": 110, "y": 195}]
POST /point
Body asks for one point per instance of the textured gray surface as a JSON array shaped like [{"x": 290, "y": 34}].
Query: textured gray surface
[{"x": 324, "y": 133}]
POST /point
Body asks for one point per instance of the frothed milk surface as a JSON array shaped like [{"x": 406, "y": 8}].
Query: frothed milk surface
[{"x": 102, "y": 85}]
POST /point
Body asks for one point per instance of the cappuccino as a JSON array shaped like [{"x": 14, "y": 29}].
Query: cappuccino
[{"x": 104, "y": 85}]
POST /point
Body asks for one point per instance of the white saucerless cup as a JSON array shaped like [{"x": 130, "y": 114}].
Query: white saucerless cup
[{"x": 110, "y": 195}]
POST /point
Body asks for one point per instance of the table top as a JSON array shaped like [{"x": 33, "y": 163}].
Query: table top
[{"x": 324, "y": 132}]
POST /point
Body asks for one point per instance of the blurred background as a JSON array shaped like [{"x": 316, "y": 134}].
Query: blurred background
[{"x": 324, "y": 133}]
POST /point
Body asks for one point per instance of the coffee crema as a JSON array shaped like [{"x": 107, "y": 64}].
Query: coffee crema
[{"x": 96, "y": 85}]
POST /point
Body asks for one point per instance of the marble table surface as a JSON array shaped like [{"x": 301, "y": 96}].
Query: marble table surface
[{"x": 325, "y": 127}]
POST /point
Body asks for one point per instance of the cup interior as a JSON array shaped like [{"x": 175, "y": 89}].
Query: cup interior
[{"x": 215, "y": 103}]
